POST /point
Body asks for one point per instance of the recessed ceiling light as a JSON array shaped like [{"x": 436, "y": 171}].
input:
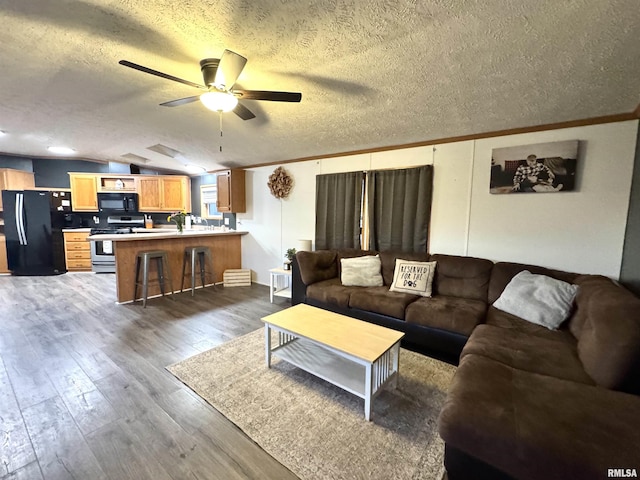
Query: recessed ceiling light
[
  {"x": 61, "y": 150},
  {"x": 195, "y": 169}
]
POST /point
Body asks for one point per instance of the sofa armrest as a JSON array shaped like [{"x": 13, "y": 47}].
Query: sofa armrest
[
  {"x": 317, "y": 266},
  {"x": 298, "y": 288}
]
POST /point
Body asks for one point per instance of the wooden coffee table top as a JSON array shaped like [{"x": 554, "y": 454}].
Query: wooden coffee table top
[{"x": 361, "y": 339}]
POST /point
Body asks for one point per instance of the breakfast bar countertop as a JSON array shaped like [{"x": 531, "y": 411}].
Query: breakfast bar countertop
[
  {"x": 225, "y": 248},
  {"x": 162, "y": 233}
]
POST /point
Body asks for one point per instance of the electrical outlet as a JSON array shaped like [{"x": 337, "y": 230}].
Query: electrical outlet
[{"x": 226, "y": 221}]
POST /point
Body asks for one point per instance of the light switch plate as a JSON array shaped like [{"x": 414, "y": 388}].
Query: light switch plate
[{"x": 226, "y": 220}]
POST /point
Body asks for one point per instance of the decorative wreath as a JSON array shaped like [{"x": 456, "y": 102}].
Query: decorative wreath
[{"x": 280, "y": 183}]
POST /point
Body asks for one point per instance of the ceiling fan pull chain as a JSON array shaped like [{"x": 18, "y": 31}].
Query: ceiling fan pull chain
[{"x": 220, "y": 112}]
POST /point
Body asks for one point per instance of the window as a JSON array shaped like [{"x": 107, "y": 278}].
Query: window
[
  {"x": 208, "y": 199},
  {"x": 339, "y": 210},
  {"x": 381, "y": 209}
]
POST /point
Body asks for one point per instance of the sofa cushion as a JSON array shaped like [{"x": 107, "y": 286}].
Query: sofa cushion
[
  {"x": 413, "y": 277},
  {"x": 351, "y": 253},
  {"x": 534, "y": 426},
  {"x": 389, "y": 258},
  {"x": 317, "y": 266},
  {"x": 361, "y": 271},
  {"x": 609, "y": 340},
  {"x": 503, "y": 272},
  {"x": 455, "y": 314},
  {"x": 331, "y": 291},
  {"x": 538, "y": 299},
  {"x": 463, "y": 277},
  {"x": 501, "y": 319},
  {"x": 555, "y": 355},
  {"x": 382, "y": 301}
]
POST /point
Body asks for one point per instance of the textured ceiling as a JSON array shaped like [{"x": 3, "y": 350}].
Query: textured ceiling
[{"x": 372, "y": 73}]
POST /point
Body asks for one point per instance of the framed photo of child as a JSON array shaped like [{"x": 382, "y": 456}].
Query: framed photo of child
[{"x": 538, "y": 168}]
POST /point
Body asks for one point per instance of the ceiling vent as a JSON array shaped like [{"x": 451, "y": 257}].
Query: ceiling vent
[
  {"x": 132, "y": 157},
  {"x": 164, "y": 150}
]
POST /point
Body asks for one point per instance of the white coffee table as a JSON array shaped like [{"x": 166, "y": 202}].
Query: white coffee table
[{"x": 357, "y": 356}]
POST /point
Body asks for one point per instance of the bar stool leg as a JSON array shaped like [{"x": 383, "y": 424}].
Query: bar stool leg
[
  {"x": 193, "y": 273},
  {"x": 145, "y": 280},
  {"x": 165, "y": 259},
  {"x": 159, "y": 265},
  {"x": 184, "y": 267},
  {"x": 213, "y": 274},
  {"x": 135, "y": 285},
  {"x": 202, "y": 267}
]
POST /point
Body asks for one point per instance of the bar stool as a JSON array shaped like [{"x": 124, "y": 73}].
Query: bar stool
[
  {"x": 190, "y": 255},
  {"x": 144, "y": 259}
]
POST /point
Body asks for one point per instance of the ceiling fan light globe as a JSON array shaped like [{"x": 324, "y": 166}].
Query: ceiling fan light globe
[{"x": 219, "y": 101}]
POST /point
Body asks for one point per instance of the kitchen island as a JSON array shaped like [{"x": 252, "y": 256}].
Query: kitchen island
[{"x": 225, "y": 250}]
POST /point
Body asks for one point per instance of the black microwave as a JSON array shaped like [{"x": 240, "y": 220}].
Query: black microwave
[{"x": 118, "y": 202}]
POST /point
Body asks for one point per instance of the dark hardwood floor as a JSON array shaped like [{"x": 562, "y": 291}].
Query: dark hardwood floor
[{"x": 84, "y": 393}]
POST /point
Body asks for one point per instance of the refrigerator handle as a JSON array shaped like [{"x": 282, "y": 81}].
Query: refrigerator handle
[{"x": 22, "y": 234}]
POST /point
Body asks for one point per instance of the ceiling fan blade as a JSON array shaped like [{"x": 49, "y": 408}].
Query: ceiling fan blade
[
  {"x": 266, "y": 95},
  {"x": 181, "y": 101},
  {"x": 135, "y": 66},
  {"x": 243, "y": 112},
  {"x": 229, "y": 69}
]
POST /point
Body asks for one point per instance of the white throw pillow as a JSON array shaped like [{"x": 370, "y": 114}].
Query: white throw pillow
[
  {"x": 538, "y": 299},
  {"x": 413, "y": 277},
  {"x": 361, "y": 271}
]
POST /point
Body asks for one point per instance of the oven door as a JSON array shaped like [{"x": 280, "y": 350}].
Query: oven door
[{"x": 103, "y": 259}]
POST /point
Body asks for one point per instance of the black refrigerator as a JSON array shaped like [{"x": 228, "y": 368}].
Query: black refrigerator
[{"x": 33, "y": 222}]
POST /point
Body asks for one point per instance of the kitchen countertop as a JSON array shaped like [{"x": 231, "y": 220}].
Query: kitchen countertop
[
  {"x": 80, "y": 229},
  {"x": 162, "y": 233}
]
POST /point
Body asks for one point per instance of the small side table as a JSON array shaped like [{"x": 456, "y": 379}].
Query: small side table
[{"x": 274, "y": 274}]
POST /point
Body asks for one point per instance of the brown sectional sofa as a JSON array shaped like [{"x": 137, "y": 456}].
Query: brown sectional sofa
[{"x": 526, "y": 402}]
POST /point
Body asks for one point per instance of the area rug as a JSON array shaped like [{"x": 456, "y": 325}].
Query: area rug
[{"x": 318, "y": 430}]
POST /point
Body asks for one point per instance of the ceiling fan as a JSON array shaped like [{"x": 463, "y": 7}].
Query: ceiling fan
[{"x": 219, "y": 76}]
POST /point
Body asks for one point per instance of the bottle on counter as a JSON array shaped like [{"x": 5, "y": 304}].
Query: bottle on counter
[
  {"x": 187, "y": 222},
  {"x": 148, "y": 221}
]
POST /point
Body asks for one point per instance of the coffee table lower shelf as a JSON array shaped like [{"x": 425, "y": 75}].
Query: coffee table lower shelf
[{"x": 357, "y": 376}]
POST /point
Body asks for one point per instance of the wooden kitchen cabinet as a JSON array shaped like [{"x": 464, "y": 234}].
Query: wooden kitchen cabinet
[
  {"x": 116, "y": 183},
  {"x": 84, "y": 192},
  {"x": 11, "y": 179},
  {"x": 176, "y": 193},
  {"x": 156, "y": 193},
  {"x": 4, "y": 267},
  {"x": 164, "y": 193},
  {"x": 77, "y": 251},
  {"x": 231, "y": 191},
  {"x": 149, "y": 194}
]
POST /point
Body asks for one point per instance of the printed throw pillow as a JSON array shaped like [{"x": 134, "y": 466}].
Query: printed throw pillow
[
  {"x": 361, "y": 271},
  {"x": 413, "y": 277},
  {"x": 538, "y": 299}
]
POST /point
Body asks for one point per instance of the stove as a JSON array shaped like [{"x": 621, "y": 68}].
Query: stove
[
  {"x": 103, "y": 259},
  {"x": 111, "y": 231}
]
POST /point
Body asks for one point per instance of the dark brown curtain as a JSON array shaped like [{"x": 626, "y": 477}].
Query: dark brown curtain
[
  {"x": 399, "y": 204},
  {"x": 338, "y": 209}
]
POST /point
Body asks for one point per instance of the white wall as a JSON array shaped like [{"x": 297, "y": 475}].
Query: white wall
[
  {"x": 276, "y": 224},
  {"x": 580, "y": 231}
]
